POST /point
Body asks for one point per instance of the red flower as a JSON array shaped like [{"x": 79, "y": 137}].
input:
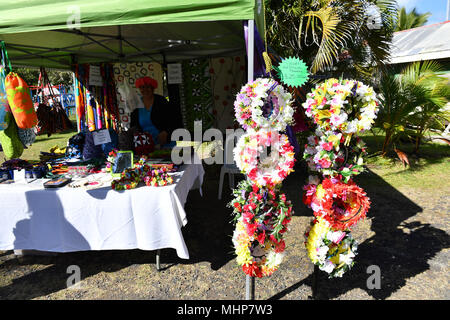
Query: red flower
[
  {"x": 261, "y": 237},
  {"x": 252, "y": 270},
  {"x": 251, "y": 228}
]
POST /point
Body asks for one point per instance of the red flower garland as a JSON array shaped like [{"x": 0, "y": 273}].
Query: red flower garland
[{"x": 341, "y": 204}]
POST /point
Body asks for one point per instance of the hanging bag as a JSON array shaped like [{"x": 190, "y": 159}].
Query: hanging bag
[
  {"x": 20, "y": 102},
  {"x": 51, "y": 119},
  {"x": 9, "y": 139}
]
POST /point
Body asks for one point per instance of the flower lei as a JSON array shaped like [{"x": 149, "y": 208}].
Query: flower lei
[
  {"x": 158, "y": 178},
  {"x": 275, "y": 167},
  {"x": 263, "y": 104},
  {"x": 261, "y": 219},
  {"x": 341, "y": 109},
  {"x": 327, "y": 153},
  {"x": 131, "y": 177},
  {"x": 333, "y": 251},
  {"x": 262, "y": 213},
  {"x": 347, "y": 106},
  {"x": 341, "y": 204}
]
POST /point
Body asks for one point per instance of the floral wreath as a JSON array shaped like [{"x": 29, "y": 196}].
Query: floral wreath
[
  {"x": 261, "y": 218},
  {"x": 340, "y": 204},
  {"x": 130, "y": 178},
  {"x": 274, "y": 168},
  {"x": 327, "y": 153},
  {"x": 332, "y": 251},
  {"x": 263, "y": 104},
  {"x": 347, "y": 106}
]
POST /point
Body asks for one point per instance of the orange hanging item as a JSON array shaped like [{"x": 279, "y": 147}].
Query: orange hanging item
[{"x": 20, "y": 102}]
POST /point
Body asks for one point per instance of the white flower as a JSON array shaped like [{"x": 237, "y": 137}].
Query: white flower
[
  {"x": 346, "y": 258},
  {"x": 328, "y": 266},
  {"x": 335, "y": 236}
]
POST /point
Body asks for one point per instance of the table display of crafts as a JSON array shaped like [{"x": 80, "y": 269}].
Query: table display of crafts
[
  {"x": 148, "y": 171},
  {"x": 341, "y": 109},
  {"x": 92, "y": 174}
]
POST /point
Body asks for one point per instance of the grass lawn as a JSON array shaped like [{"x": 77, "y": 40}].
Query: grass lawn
[
  {"x": 44, "y": 143},
  {"x": 429, "y": 169}
]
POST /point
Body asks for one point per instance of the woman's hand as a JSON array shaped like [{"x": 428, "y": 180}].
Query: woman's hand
[{"x": 162, "y": 137}]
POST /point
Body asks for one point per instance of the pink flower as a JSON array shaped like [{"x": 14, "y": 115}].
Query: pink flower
[
  {"x": 324, "y": 163},
  {"x": 327, "y": 146}
]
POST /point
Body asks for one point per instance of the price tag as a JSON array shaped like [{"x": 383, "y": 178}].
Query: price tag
[
  {"x": 95, "y": 77},
  {"x": 101, "y": 136},
  {"x": 174, "y": 73},
  {"x": 293, "y": 72}
]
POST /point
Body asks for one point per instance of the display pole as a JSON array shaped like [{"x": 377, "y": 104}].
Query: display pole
[
  {"x": 250, "y": 281},
  {"x": 249, "y": 288},
  {"x": 314, "y": 285},
  {"x": 250, "y": 49}
]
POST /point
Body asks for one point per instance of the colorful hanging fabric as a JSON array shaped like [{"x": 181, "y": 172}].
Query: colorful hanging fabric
[{"x": 90, "y": 111}]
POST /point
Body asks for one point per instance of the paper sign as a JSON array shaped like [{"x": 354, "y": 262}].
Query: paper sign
[
  {"x": 101, "y": 136},
  {"x": 292, "y": 72},
  {"x": 174, "y": 73},
  {"x": 95, "y": 77}
]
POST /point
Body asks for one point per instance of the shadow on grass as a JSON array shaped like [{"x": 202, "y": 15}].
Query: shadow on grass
[{"x": 401, "y": 250}]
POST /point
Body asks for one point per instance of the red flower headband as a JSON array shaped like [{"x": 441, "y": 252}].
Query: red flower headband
[{"x": 146, "y": 81}]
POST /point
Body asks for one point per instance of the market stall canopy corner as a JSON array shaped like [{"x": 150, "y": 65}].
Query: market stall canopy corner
[{"x": 60, "y": 34}]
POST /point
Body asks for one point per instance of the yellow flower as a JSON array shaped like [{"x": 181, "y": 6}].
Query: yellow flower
[
  {"x": 315, "y": 234},
  {"x": 323, "y": 114},
  {"x": 320, "y": 192}
]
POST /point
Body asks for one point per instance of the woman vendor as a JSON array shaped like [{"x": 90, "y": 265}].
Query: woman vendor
[{"x": 156, "y": 116}]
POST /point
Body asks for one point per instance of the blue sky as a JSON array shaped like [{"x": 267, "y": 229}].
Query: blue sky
[{"x": 437, "y": 8}]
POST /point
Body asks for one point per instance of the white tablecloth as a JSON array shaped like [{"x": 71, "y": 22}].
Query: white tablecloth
[{"x": 68, "y": 219}]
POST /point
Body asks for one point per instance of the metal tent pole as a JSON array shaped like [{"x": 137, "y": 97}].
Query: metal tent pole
[
  {"x": 250, "y": 281},
  {"x": 249, "y": 288}
]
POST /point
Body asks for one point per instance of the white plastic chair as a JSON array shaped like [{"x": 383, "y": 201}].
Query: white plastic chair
[{"x": 229, "y": 167}]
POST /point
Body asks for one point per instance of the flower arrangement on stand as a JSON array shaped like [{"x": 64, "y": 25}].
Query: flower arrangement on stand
[
  {"x": 261, "y": 211},
  {"x": 341, "y": 109}
]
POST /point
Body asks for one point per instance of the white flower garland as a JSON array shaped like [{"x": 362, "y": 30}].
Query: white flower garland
[
  {"x": 250, "y": 101},
  {"x": 275, "y": 167},
  {"x": 333, "y": 251}
]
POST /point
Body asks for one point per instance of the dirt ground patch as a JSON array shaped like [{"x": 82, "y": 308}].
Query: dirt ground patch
[{"x": 406, "y": 234}]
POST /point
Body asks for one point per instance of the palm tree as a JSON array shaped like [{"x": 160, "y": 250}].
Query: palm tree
[
  {"x": 412, "y": 103},
  {"x": 410, "y": 20},
  {"x": 331, "y": 35}
]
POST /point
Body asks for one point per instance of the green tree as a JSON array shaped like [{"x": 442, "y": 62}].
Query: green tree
[
  {"x": 56, "y": 77},
  {"x": 412, "y": 103},
  {"x": 334, "y": 37},
  {"x": 410, "y": 20}
]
